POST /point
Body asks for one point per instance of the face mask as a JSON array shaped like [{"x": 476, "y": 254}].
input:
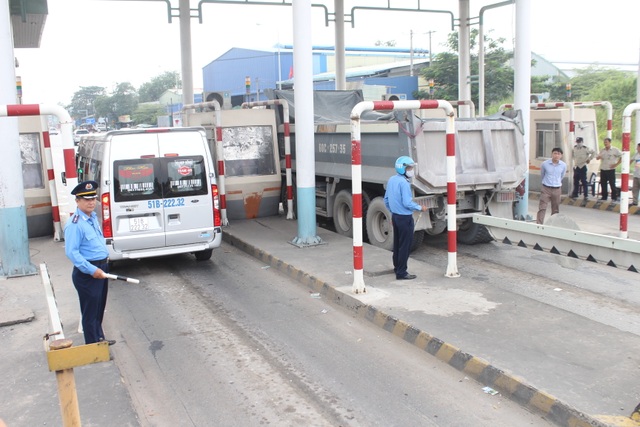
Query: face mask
[{"x": 409, "y": 174}]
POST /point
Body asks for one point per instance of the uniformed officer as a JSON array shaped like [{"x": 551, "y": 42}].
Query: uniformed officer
[{"x": 85, "y": 247}]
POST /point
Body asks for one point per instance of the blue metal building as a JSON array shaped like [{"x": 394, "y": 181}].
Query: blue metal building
[{"x": 228, "y": 73}]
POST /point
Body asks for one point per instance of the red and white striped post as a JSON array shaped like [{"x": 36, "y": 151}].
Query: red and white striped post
[
  {"x": 356, "y": 180},
  {"x": 624, "y": 184},
  {"x": 468, "y": 102},
  {"x": 219, "y": 152},
  {"x": 287, "y": 145},
  {"x": 55, "y": 211},
  {"x": 66, "y": 130},
  {"x": 605, "y": 104}
]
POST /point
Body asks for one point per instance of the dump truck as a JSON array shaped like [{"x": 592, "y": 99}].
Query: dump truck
[{"x": 490, "y": 166}]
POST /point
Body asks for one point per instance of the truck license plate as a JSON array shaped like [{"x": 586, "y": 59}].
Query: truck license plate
[{"x": 139, "y": 223}]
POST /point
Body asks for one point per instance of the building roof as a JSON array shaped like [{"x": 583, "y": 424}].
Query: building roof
[
  {"x": 27, "y": 21},
  {"x": 368, "y": 70}
]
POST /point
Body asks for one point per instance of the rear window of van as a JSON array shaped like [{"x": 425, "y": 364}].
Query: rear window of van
[
  {"x": 157, "y": 178},
  {"x": 186, "y": 176}
]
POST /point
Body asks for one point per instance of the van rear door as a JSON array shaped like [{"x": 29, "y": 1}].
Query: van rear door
[
  {"x": 137, "y": 211},
  {"x": 188, "y": 204}
]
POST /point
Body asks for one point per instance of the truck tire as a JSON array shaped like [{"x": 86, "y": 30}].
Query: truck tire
[
  {"x": 342, "y": 213},
  {"x": 418, "y": 238},
  {"x": 379, "y": 227},
  {"x": 472, "y": 233}
]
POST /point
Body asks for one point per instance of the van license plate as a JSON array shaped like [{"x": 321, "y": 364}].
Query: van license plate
[{"x": 139, "y": 224}]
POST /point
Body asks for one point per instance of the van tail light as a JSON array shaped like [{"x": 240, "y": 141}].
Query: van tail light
[
  {"x": 107, "y": 231},
  {"x": 217, "y": 219}
]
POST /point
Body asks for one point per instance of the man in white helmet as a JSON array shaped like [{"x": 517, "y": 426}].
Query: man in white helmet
[{"x": 399, "y": 200}]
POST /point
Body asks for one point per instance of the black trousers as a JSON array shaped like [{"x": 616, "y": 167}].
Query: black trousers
[
  {"x": 92, "y": 294},
  {"x": 608, "y": 177},
  {"x": 402, "y": 238},
  {"x": 580, "y": 176}
]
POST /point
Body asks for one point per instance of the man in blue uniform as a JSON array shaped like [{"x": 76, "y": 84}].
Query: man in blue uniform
[
  {"x": 85, "y": 247},
  {"x": 399, "y": 200}
]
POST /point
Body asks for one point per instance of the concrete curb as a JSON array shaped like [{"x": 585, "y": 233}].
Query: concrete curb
[{"x": 509, "y": 385}]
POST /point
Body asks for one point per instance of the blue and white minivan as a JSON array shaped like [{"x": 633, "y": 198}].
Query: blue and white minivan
[{"x": 158, "y": 192}]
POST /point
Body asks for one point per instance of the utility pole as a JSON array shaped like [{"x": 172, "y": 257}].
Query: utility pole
[
  {"x": 430, "y": 54},
  {"x": 411, "y": 52}
]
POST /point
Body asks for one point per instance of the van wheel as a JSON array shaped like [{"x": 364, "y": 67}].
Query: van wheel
[{"x": 203, "y": 255}]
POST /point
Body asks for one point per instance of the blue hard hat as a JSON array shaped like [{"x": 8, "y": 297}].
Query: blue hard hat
[{"x": 402, "y": 163}]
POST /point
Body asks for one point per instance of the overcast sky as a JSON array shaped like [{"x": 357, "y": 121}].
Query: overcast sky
[{"x": 104, "y": 42}]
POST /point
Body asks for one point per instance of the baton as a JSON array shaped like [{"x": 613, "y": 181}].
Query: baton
[{"x": 123, "y": 278}]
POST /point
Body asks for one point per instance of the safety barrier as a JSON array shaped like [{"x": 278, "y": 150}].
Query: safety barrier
[
  {"x": 62, "y": 357},
  {"x": 66, "y": 130},
  {"x": 287, "y": 146},
  {"x": 624, "y": 177},
  {"x": 356, "y": 180}
]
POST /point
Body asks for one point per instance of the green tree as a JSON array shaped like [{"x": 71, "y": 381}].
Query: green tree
[
  {"x": 601, "y": 84},
  {"x": 151, "y": 90},
  {"x": 444, "y": 71},
  {"x": 82, "y": 103},
  {"x": 124, "y": 99},
  {"x": 105, "y": 107},
  {"x": 148, "y": 113}
]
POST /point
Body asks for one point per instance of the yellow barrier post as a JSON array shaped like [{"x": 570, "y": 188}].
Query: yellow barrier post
[{"x": 62, "y": 357}]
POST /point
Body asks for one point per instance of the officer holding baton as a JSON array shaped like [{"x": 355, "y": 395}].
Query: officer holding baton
[{"x": 85, "y": 247}]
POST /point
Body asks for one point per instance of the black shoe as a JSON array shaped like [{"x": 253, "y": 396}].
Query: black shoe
[
  {"x": 574, "y": 196},
  {"x": 602, "y": 200},
  {"x": 111, "y": 342},
  {"x": 407, "y": 277}
]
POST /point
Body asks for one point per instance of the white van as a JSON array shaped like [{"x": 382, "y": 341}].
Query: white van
[{"x": 158, "y": 192}]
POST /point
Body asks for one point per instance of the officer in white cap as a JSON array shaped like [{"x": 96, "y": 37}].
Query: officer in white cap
[{"x": 85, "y": 247}]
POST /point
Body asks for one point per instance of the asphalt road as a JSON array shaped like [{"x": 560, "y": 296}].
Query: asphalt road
[{"x": 230, "y": 342}]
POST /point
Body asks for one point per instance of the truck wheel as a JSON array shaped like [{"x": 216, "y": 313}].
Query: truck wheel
[
  {"x": 471, "y": 233},
  {"x": 418, "y": 238},
  {"x": 379, "y": 227},
  {"x": 203, "y": 255},
  {"x": 342, "y": 214}
]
